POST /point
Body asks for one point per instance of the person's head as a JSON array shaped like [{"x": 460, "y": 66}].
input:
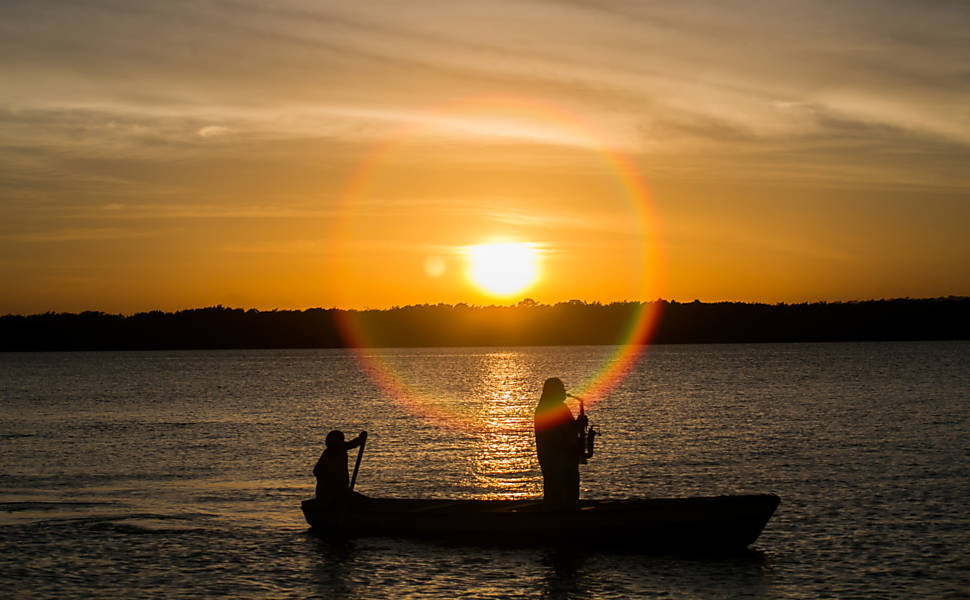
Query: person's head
[
  {"x": 553, "y": 390},
  {"x": 335, "y": 438}
]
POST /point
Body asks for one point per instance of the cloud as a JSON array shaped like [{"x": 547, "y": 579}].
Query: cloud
[
  {"x": 210, "y": 131},
  {"x": 58, "y": 235},
  {"x": 356, "y": 248},
  {"x": 810, "y": 91}
]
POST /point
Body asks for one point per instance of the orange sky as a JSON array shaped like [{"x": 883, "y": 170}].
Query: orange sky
[{"x": 169, "y": 155}]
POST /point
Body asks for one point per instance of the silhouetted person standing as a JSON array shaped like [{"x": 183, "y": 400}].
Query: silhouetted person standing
[
  {"x": 333, "y": 483},
  {"x": 559, "y": 446}
]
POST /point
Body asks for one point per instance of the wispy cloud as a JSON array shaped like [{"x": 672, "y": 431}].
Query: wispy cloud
[
  {"x": 707, "y": 60},
  {"x": 74, "y": 235}
]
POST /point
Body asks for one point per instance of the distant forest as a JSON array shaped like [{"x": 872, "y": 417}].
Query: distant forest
[{"x": 528, "y": 323}]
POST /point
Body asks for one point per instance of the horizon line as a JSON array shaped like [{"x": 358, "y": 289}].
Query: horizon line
[{"x": 517, "y": 304}]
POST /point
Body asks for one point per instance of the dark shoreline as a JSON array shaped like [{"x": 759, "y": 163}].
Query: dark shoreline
[{"x": 528, "y": 324}]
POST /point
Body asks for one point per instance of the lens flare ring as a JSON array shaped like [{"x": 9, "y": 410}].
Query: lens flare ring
[{"x": 628, "y": 180}]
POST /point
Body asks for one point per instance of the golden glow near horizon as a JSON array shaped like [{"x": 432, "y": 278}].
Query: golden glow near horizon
[
  {"x": 347, "y": 154},
  {"x": 502, "y": 269}
]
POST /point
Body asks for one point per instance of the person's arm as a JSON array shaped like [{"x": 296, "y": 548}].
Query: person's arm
[
  {"x": 357, "y": 441},
  {"x": 581, "y": 422},
  {"x": 577, "y": 426}
]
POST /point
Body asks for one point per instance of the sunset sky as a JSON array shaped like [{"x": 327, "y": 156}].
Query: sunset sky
[{"x": 169, "y": 155}]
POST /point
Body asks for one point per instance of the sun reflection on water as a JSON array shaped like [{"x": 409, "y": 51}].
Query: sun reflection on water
[{"x": 505, "y": 465}]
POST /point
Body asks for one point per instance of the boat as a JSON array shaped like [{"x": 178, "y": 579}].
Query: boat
[{"x": 697, "y": 524}]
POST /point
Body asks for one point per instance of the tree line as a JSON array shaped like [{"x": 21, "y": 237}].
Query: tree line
[{"x": 528, "y": 323}]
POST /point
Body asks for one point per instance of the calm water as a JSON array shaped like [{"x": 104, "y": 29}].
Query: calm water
[{"x": 179, "y": 474}]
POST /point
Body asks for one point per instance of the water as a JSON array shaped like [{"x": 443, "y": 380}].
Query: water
[{"x": 179, "y": 474}]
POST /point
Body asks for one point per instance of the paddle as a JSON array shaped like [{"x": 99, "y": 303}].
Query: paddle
[{"x": 360, "y": 454}]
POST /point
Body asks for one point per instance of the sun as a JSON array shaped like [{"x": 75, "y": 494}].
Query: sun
[{"x": 502, "y": 269}]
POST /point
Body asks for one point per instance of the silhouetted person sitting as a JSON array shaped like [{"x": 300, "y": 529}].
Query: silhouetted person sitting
[
  {"x": 333, "y": 483},
  {"x": 559, "y": 446}
]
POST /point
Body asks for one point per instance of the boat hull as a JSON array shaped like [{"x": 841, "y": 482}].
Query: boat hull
[{"x": 701, "y": 524}]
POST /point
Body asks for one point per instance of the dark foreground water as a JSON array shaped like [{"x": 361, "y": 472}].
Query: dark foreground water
[{"x": 179, "y": 474}]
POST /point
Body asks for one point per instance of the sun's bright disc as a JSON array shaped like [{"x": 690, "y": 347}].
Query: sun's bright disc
[{"x": 502, "y": 269}]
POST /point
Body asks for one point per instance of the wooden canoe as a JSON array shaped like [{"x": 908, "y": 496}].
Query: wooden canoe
[{"x": 699, "y": 524}]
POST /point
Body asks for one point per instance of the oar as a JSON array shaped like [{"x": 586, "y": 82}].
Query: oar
[{"x": 360, "y": 454}]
